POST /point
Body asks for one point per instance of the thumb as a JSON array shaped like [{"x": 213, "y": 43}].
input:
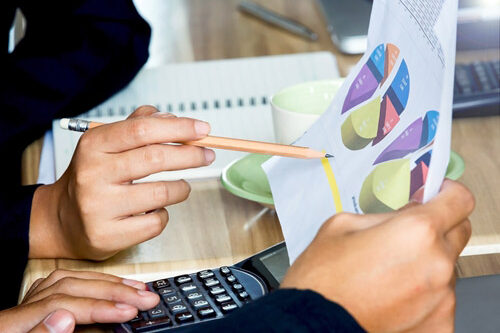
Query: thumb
[{"x": 59, "y": 321}]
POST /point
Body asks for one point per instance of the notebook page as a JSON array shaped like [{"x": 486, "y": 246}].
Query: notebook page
[{"x": 232, "y": 95}]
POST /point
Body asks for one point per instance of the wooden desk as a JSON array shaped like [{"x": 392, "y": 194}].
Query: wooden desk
[{"x": 214, "y": 227}]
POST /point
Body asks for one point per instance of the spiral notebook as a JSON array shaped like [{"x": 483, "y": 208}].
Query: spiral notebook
[{"x": 232, "y": 95}]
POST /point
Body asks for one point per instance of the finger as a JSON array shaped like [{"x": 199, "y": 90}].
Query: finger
[
  {"x": 137, "y": 132},
  {"x": 100, "y": 289},
  {"x": 148, "y": 110},
  {"x": 60, "y": 274},
  {"x": 32, "y": 288},
  {"x": 140, "y": 228},
  {"x": 144, "y": 197},
  {"x": 59, "y": 321},
  {"x": 458, "y": 237},
  {"x": 85, "y": 311},
  {"x": 450, "y": 207},
  {"x": 144, "y": 161},
  {"x": 143, "y": 111}
]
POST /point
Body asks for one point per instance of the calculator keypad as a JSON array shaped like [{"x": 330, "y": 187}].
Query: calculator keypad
[{"x": 196, "y": 297}]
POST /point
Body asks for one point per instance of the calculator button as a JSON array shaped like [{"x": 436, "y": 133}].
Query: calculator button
[
  {"x": 206, "y": 313},
  {"x": 182, "y": 279},
  {"x": 139, "y": 317},
  {"x": 177, "y": 307},
  {"x": 223, "y": 298},
  {"x": 186, "y": 288},
  {"x": 205, "y": 274},
  {"x": 194, "y": 295},
  {"x": 157, "y": 312},
  {"x": 238, "y": 287},
  {"x": 243, "y": 295},
  {"x": 184, "y": 317},
  {"x": 228, "y": 307},
  {"x": 211, "y": 282},
  {"x": 166, "y": 292},
  {"x": 200, "y": 303},
  {"x": 231, "y": 278},
  {"x": 224, "y": 270},
  {"x": 214, "y": 291},
  {"x": 146, "y": 326},
  {"x": 172, "y": 298},
  {"x": 161, "y": 284}
]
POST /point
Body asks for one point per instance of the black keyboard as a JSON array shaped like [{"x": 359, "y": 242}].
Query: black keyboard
[
  {"x": 477, "y": 89},
  {"x": 197, "y": 297}
]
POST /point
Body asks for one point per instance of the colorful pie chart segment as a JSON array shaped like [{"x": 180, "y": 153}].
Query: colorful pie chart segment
[
  {"x": 386, "y": 188},
  {"x": 417, "y": 135},
  {"x": 359, "y": 129},
  {"x": 395, "y": 101},
  {"x": 419, "y": 172},
  {"x": 371, "y": 76}
]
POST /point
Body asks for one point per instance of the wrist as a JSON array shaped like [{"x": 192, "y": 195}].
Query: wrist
[{"x": 46, "y": 239}]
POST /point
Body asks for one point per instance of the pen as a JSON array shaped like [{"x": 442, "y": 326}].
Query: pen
[
  {"x": 266, "y": 148},
  {"x": 277, "y": 20}
]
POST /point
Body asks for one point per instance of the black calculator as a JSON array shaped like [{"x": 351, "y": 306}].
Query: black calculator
[{"x": 210, "y": 294}]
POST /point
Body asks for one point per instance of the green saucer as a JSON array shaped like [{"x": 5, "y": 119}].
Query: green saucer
[{"x": 246, "y": 179}]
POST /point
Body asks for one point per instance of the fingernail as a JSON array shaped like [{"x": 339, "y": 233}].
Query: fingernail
[
  {"x": 124, "y": 307},
  {"x": 202, "y": 128},
  {"x": 145, "y": 293},
  {"x": 209, "y": 155},
  {"x": 134, "y": 283},
  {"x": 59, "y": 322}
]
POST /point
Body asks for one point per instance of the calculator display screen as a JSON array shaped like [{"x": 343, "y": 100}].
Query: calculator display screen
[{"x": 276, "y": 263}]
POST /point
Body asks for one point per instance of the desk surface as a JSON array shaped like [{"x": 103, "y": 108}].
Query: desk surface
[{"x": 214, "y": 227}]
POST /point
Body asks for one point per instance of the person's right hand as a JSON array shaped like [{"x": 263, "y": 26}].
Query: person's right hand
[
  {"x": 95, "y": 210},
  {"x": 393, "y": 272},
  {"x": 63, "y": 299}
]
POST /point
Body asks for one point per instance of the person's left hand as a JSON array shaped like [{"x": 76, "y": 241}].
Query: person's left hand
[{"x": 65, "y": 298}]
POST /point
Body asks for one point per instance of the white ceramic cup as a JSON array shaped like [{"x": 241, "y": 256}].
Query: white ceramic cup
[{"x": 296, "y": 108}]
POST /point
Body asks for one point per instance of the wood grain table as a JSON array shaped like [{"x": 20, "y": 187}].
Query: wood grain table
[{"x": 213, "y": 227}]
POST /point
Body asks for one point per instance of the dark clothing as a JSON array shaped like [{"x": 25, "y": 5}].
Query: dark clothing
[{"x": 76, "y": 54}]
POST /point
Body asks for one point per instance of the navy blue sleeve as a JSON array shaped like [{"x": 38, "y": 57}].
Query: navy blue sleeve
[
  {"x": 75, "y": 54},
  {"x": 285, "y": 310}
]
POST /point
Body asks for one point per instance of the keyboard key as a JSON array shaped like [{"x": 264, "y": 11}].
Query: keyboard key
[
  {"x": 205, "y": 274},
  {"x": 194, "y": 295},
  {"x": 243, "y": 295},
  {"x": 177, "y": 307},
  {"x": 224, "y": 270},
  {"x": 166, "y": 292},
  {"x": 161, "y": 284},
  {"x": 238, "y": 287},
  {"x": 182, "y": 279},
  {"x": 211, "y": 282},
  {"x": 172, "y": 298},
  {"x": 146, "y": 326},
  {"x": 222, "y": 298},
  {"x": 214, "y": 291},
  {"x": 139, "y": 317},
  {"x": 206, "y": 313},
  {"x": 200, "y": 303},
  {"x": 184, "y": 317},
  {"x": 231, "y": 278},
  {"x": 189, "y": 287},
  {"x": 157, "y": 312},
  {"x": 228, "y": 307}
]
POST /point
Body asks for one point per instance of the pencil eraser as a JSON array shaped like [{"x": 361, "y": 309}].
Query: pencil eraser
[{"x": 64, "y": 123}]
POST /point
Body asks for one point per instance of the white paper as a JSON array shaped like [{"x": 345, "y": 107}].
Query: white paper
[{"x": 405, "y": 78}]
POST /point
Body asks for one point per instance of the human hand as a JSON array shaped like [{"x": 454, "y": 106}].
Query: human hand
[
  {"x": 65, "y": 298},
  {"x": 95, "y": 210},
  {"x": 393, "y": 272}
]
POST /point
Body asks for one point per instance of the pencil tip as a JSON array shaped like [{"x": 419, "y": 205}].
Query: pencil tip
[{"x": 328, "y": 155}]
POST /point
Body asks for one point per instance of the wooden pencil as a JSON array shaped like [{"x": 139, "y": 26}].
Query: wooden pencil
[{"x": 249, "y": 146}]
